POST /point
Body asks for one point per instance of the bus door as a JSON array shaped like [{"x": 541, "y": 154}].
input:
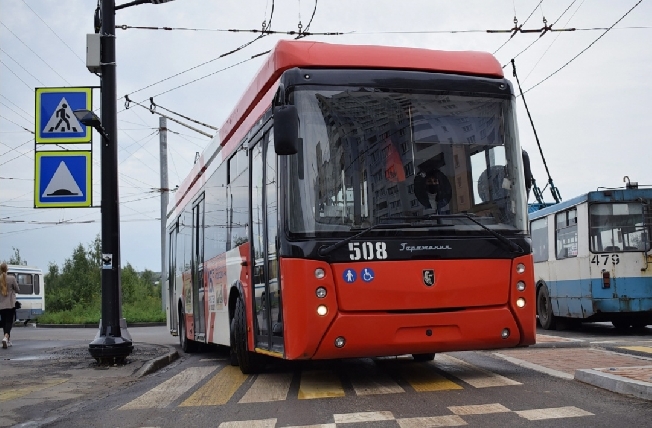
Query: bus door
[
  {"x": 198, "y": 270},
  {"x": 264, "y": 231},
  {"x": 172, "y": 276}
]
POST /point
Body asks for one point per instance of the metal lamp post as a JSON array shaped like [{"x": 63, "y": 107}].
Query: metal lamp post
[{"x": 112, "y": 342}]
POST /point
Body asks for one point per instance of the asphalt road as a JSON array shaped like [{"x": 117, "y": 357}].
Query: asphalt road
[{"x": 466, "y": 388}]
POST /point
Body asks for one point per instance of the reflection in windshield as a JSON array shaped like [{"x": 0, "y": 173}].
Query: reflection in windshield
[{"x": 369, "y": 154}]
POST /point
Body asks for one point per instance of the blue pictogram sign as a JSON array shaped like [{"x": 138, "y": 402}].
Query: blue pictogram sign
[
  {"x": 62, "y": 179},
  {"x": 367, "y": 275},
  {"x": 55, "y": 121},
  {"x": 349, "y": 275}
]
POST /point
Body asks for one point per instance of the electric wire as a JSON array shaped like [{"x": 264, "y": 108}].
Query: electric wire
[
  {"x": 517, "y": 27},
  {"x": 37, "y": 55},
  {"x": 53, "y": 32},
  {"x": 585, "y": 49}
]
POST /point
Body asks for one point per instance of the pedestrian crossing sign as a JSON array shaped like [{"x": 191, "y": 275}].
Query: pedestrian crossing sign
[
  {"x": 55, "y": 121},
  {"x": 63, "y": 179}
]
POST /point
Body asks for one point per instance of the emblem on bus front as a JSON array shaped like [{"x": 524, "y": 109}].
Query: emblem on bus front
[{"x": 429, "y": 277}]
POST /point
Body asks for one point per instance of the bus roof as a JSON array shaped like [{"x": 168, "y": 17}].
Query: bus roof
[
  {"x": 604, "y": 195},
  {"x": 289, "y": 54}
]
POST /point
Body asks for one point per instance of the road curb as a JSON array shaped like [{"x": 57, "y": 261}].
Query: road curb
[
  {"x": 569, "y": 344},
  {"x": 158, "y": 363},
  {"x": 135, "y": 324},
  {"x": 615, "y": 383}
]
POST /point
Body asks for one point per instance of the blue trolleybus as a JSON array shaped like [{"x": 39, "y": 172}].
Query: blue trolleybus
[{"x": 592, "y": 259}]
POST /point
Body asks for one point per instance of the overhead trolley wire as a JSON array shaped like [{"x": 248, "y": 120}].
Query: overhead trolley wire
[
  {"x": 517, "y": 27},
  {"x": 585, "y": 49}
]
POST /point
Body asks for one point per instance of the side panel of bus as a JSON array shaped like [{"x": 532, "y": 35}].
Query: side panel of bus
[{"x": 32, "y": 291}]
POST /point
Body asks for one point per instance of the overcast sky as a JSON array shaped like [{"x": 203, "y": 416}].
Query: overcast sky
[{"x": 591, "y": 116}]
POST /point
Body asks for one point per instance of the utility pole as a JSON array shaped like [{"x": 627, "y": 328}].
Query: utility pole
[
  {"x": 163, "y": 138},
  {"x": 113, "y": 342}
]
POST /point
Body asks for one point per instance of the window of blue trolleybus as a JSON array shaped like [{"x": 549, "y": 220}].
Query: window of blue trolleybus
[
  {"x": 369, "y": 154},
  {"x": 618, "y": 227}
]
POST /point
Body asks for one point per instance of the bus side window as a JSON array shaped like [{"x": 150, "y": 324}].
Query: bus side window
[{"x": 25, "y": 283}]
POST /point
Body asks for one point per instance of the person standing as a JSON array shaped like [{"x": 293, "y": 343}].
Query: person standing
[{"x": 8, "y": 290}]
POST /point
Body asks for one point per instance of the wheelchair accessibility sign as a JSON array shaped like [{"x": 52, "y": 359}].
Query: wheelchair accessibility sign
[
  {"x": 55, "y": 121},
  {"x": 62, "y": 179}
]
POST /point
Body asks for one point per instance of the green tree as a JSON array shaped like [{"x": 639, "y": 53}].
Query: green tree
[{"x": 15, "y": 259}]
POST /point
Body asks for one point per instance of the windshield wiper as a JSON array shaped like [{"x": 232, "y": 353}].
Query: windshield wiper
[
  {"x": 324, "y": 251},
  {"x": 512, "y": 246}
]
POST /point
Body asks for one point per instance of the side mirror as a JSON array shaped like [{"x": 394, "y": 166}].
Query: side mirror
[{"x": 286, "y": 130}]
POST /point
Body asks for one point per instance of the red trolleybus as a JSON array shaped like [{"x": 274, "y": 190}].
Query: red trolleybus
[{"x": 359, "y": 201}]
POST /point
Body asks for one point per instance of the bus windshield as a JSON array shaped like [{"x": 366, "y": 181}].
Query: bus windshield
[
  {"x": 618, "y": 227},
  {"x": 368, "y": 154}
]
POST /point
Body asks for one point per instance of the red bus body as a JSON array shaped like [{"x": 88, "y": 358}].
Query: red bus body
[{"x": 471, "y": 305}]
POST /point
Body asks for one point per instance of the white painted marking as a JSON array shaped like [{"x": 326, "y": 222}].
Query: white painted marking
[
  {"x": 553, "y": 413},
  {"x": 315, "y": 426},
  {"x": 260, "y": 423},
  {"x": 165, "y": 393},
  {"x": 479, "y": 409},
  {"x": 473, "y": 375},
  {"x": 536, "y": 367},
  {"x": 369, "y": 380},
  {"x": 268, "y": 387},
  {"x": 353, "y": 418},
  {"x": 435, "y": 421}
]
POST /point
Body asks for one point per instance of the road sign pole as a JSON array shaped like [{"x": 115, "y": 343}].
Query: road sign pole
[{"x": 113, "y": 341}]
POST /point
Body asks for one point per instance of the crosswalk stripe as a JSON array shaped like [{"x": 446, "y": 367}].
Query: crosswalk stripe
[
  {"x": 12, "y": 394},
  {"x": 552, "y": 413},
  {"x": 268, "y": 387},
  {"x": 434, "y": 421},
  {"x": 368, "y": 379},
  {"x": 261, "y": 423},
  {"x": 423, "y": 378},
  {"x": 319, "y": 384},
  {"x": 354, "y": 418},
  {"x": 473, "y": 375},
  {"x": 218, "y": 390},
  {"x": 645, "y": 349},
  {"x": 315, "y": 426},
  {"x": 479, "y": 409},
  {"x": 165, "y": 393}
]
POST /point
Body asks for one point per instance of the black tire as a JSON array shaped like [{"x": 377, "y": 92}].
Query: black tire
[
  {"x": 249, "y": 362},
  {"x": 621, "y": 324},
  {"x": 544, "y": 309},
  {"x": 423, "y": 357},
  {"x": 233, "y": 355},
  {"x": 186, "y": 344},
  {"x": 640, "y": 325}
]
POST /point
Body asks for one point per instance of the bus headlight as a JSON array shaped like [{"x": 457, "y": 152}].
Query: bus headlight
[
  {"x": 319, "y": 273},
  {"x": 322, "y": 310},
  {"x": 520, "y": 286},
  {"x": 505, "y": 333},
  {"x": 339, "y": 342},
  {"x": 520, "y": 302},
  {"x": 320, "y": 292},
  {"x": 520, "y": 268}
]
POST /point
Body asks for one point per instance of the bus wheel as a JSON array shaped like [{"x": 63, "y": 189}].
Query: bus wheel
[
  {"x": 249, "y": 362},
  {"x": 186, "y": 345},
  {"x": 233, "y": 355},
  {"x": 423, "y": 357},
  {"x": 621, "y": 324},
  {"x": 544, "y": 309}
]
